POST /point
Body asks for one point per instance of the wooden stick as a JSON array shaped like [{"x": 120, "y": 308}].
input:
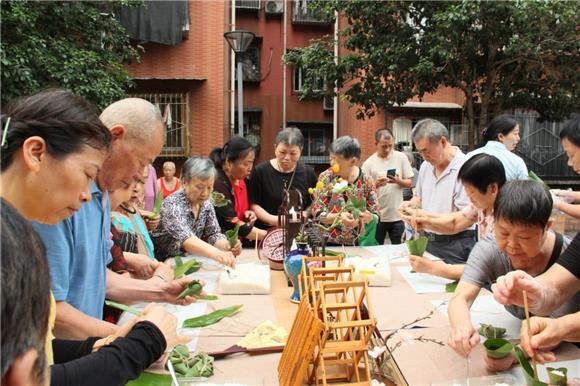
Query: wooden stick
[{"x": 527, "y": 310}]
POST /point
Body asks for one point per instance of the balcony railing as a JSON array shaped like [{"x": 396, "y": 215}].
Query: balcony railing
[
  {"x": 250, "y": 5},
  {"x": 302, "y": 14}
]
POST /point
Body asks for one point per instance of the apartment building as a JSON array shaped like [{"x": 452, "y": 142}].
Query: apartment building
[{"x": 188, "y": 70}]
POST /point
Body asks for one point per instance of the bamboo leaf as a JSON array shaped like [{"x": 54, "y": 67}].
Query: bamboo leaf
[
  {"x": 498, "y": 348},
  {"x": 232, "y": 235},
  {"x": 186, "y": 268},
  {"x": 122, "y": 307},
  {"x": 417, "y": 246},
  {"x": 450, "y": 287},
  {"x": 534, "y": 177},
  {"x": 157, "y": 205},
  {"x": 558, "y": 376},
  {"x": 150, "y": 379},
  {"x": 211, "y": 318},
  {"x": 527, "y": 368},
  {"x": 490, "y": 331}
]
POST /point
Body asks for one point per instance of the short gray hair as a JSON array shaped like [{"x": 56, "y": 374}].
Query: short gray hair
[
  {"x": 197, "y": 167},
  {"x": 431, "y": 129},
  {"x": 291, "y": 136},
  {"x": 384, "y": 133},
  {"x": 346, "y": 147},
  {"x": 140, "y": 117},
  {"x": 410, "y": 157}
]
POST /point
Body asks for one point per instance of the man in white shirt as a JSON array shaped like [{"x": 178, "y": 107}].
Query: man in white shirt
[
  {"x": 438, "y": 189},
  {"x": 389, "y": 185}
]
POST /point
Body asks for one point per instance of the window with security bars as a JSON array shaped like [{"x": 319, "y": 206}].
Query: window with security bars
[
  {"x": 174, "y": 108},
  {"x": 317, "y": 139}
]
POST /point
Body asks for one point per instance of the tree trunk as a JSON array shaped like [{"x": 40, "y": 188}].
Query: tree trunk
[
  {"x": 470, "y": 115},
  {"x": 483, "y": 117}
]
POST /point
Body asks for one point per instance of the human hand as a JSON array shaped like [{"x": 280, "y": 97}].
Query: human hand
[
  {"x": 164, "y": 271},
  {"x": 497, "y": 365},
  {"x": 166, "y": 323},
  {"x": 421, "y": 264},
  {"x": 152, "y": 223},
  {"x": 120, "y": 332},
  {"x": 250, "y": 216},
  {"x": 366, "y": 217},
  {"x": 226, "y": 258},
  {"x": 348, "y": 219},
  {"x": 567, "y": 196},
  {"x": 396, "y": 179},
  {"x": 171, "y": 289},
  {"x": 381, "y": 181},
  {"x": 508, "y": 290},
  {"x": 142, "y": 266},
  {"x": 236, "y": 249},
  {"x": 405, "y": 208},
  {"x": 546, "y": 334},
  {"x": 408, "y": 209},
  {"x": 463, "y": 339}
]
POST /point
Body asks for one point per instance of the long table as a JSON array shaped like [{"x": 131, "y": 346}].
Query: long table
[{"x": 416, "y": 364}]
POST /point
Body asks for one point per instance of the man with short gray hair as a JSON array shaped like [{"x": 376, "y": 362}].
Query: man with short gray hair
[
  {"x": 391, "y": 172},
  {"x": 438, "y": 189},
  {"x": 79, "y": 248}
]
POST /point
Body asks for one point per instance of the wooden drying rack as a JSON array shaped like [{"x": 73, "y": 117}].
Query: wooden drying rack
[{"x": 329, "y": 339}]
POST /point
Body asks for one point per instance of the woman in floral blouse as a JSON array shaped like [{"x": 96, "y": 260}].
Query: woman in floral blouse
[
  {"x": 345, "y": 198},
  {"x": 188, "y": 220}
]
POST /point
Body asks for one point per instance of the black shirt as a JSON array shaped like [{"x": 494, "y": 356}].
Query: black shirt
[
  {"x": 225, "y": 214},
  {"x": 570, "y": 259},
  {"x": 115, "y": 364},
  {"x": 267, "y": 186}
]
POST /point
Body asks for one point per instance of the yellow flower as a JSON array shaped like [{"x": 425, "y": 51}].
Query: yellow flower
[
  {"x": 310, "y": 190},
  {"x": 335, "y": 168},
  {"x": 320, "y": 185}
]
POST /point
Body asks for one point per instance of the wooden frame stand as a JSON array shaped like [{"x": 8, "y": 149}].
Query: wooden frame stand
[{"x": 329, "y": 338}]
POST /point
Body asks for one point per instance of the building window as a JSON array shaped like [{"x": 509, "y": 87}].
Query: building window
[
  {"x": 317, "y": 140},
  {"x": 251, "y": 62},
  {"x": 304, "y": 15},
  {"x": 175, "y": 111},
  {"x": 299, "y": 81},
  {"x": 402, "y": 130},
  {"x": 251, "y": 126}
]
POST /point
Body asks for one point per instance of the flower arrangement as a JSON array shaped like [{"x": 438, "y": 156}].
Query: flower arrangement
[
  {"x": 329, "y": 191},
  {"x": 301, "y": 237}
]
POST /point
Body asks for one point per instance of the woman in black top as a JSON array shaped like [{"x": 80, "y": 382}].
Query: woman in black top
[
  {"x": 271, "y": 178},
  {"x": 234, "y": 164}
]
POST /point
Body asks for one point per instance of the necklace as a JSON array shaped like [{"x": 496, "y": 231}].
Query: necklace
[
  {"x": 132, "y": 211},
  {"x": 280, "y": 169},
  {"x": 169, "y": 185},
  {"x": 285, "y": 183}
]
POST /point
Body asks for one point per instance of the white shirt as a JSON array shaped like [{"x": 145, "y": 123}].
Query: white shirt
[
  {"x": 443, "y": 194},
  {"x": 389, "y": 196}
]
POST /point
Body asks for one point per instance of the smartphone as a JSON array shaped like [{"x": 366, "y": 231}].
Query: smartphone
[{"x": 391, "y": 172}]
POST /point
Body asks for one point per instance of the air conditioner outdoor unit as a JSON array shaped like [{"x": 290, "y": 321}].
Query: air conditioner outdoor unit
[
  {"x": 328, "y": 103},
  {"x": 275, "y": 7}
]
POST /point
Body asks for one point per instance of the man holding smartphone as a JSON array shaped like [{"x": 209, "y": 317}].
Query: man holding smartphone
[{"x": 392, "y": 172}]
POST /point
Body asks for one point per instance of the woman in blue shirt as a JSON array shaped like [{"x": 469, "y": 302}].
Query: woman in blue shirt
[{"x": 501, "y": 138}]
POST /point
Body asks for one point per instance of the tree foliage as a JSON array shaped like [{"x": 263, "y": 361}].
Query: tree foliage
[
  {"x": 77, "y": 45},
  {"x": 500, "y": 54}
]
